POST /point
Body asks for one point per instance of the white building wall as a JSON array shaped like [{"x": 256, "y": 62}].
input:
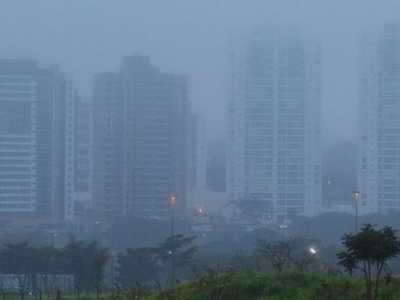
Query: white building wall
[
  {"x": 69, "y": 150},
  {"x": 274, "y": 96},
  {"x": 17, "y": 144},
  {"x": 379, "y": 119}
]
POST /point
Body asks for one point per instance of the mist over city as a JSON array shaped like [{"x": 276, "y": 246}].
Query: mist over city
[{"x": 148, "y": 146}]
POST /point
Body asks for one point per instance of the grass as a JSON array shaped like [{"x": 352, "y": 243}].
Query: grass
[{"x": 276, "y": 286}]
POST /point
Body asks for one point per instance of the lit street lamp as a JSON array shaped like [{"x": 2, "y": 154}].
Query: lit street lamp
[
  {"x": 172, "y": 199},
  {"x": 357, "y": 196}
]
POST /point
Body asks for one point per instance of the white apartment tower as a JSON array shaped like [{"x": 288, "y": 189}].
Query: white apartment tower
[
  {"x": 36, "y": 141},
  {"x": 274, "y": 99},
  {"x": 379, "y": 120}
]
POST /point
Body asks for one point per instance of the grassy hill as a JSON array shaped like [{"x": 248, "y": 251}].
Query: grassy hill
[{"x": 262, "y": 286}]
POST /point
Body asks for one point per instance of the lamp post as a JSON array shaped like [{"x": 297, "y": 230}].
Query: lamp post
[
  {"x": 172, "y": 199},
  {"x": 357, "y": 195},
  {"x": 52, "y": 239}
]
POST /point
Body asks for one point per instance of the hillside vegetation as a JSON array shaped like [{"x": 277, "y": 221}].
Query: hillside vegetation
[{"x": 268, "y": 286}]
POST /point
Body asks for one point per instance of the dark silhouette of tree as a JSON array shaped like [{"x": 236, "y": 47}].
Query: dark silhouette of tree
[
  {"x": 137, "y": 265},
  {"x": 16, "y": 259},
  {"x": 253, "y": 210},
  {"x": 27, "y": 264},
  {"x": 49, "y": 267},
  {"x": 85, "y": 262},
  {"x": 278, "y": 253},
  {"x": 368, "y": 251},
  {"x": 174, "y": 254},
  {"x": 299, "y": 254}
]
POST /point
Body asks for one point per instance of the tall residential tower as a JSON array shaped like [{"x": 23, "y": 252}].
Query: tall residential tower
[
  {"x": 141, "y": 147},
  {"x": 274, "y": 99},
  {"x": 36, "y": 141},
  {"x": 379, "y": 120}
]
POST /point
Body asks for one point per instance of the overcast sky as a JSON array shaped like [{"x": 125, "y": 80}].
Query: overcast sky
[{"x": 187, "y": 36}]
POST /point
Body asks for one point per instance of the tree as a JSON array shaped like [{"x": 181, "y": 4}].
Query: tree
[
  {"x": 85, "y": 262},
  {"x": 174, "y": 254},
  {"x": 368, "y": 251},
  {"x": 16, "y": 259},
  {"x": 279, "y": 253},
  {"x": 48, "y": 259},
  {"x": 253, "y": 210},
  {"x": 31, "y": 267},
  {"x": 294, "y": 253},
  {"x": 137, "y": 265}
]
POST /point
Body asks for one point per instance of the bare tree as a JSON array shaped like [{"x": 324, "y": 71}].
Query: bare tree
[{"x": 279, "y": 253}]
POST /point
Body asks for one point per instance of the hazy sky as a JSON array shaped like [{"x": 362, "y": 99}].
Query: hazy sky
[{"x": 187, "y": 36}]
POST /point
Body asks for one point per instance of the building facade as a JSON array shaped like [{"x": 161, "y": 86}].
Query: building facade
[
  {"x": 379, "y": 120},
  {"x": 141, "y": 146},
  {"x": 274, "y": 99},
  {"x": 83, "y": 157},
  {"x": 36, "y": 141}
]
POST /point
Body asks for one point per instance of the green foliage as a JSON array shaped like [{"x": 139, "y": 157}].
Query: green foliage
[
  {"x": 135, "y": 293},
  {"x": 174, "y": 254},
  {"x": 85, "y": 262},
  {"x": 179, "y": 246},
  {"x": 337, "y": 288},
  {"x": 26, "y": 263},
  {"x": 368, "y": 251},
  {"x": 137, "y": 265},
  {"x": 213, "y": 285},
  {"x": 267, "y": 286},
  {"x": 262, "y": 286}
]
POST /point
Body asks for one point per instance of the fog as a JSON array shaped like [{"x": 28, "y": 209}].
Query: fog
[
  {"x": 86, "y": 37},
  {"x": 135, "y": 171}
]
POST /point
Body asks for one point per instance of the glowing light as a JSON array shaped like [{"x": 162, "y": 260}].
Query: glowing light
[{"x": 313, "y": 250}]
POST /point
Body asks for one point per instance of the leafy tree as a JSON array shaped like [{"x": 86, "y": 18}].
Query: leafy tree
[
  {"x": 85, "y": 262},
  {"x": 49, "y": 267},
  {"x": 16, "y": 259},
  {"x": 174, "y": 254},
  {"x": 137, "y": 265},
  {"x": 368, "y": 251},
  {"x": 26, "y": 264}
]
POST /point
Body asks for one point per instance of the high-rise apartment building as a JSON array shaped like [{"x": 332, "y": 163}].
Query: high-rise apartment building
[
  {"x": 274, "y": 99},
  {"x": 216, "y": 165},
  {"x": 198, "y": 153},
  {"x": 36, "y": 141},
  {"x": 141, "y": 147},
  {"x": 82, "y": 157},
  {"x": 379, "y": 119}
]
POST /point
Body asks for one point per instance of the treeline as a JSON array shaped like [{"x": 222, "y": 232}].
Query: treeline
[
  {"x": 29, "y": 269},
  {"x": 81, "y": 266}
]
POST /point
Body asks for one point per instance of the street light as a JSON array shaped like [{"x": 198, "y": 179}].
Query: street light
[
  {"x": 312, "y": 250},
  {"x": 357, "y": 196},
  {"x": 172, "y": 200},
  {"x": 52, "y": 238}
]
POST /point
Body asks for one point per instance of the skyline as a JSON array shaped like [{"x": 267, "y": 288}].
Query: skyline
[{"x": 190, "y": 37}]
